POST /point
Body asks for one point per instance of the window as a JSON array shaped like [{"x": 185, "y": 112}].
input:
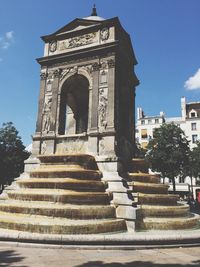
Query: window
[
  {"x": 192, "y": 113},
  {"x": 144, "y": 133},
  {"x": 194, "y": 138},
  {"x": 149, "y": 121},
  {"x": 142, "y": 121},
  {"x": 193, "y": 126},
  {"x": 156, "y": 120}
]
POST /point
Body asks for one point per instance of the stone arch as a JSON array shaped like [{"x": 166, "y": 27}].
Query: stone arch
[
  {"x": 81, "y": 70},
  {"x": 74, "y": 103}
]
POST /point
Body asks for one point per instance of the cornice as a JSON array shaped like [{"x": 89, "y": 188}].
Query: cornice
[{"x": 81, "y": 53}]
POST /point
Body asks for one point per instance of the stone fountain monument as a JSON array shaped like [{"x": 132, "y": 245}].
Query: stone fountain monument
[{"x": 80, "y": 178}]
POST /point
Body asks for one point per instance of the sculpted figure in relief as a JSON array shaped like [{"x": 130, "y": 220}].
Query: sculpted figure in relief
[
  {"x": 103, "y": 102},
  {"x": 47, "y": 114},
  {"x": 77, "y": 41}
]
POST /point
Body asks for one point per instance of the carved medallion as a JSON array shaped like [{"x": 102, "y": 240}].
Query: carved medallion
[
  {"x": 53, "y": 46},
  {"x": 104, "y": 34}
]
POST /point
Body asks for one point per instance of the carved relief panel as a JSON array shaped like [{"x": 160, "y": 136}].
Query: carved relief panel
[
  {"x": 47, "y": 113},
  {"x": 102, "y": 109}
]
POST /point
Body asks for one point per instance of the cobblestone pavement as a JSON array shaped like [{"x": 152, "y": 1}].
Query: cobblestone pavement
[{"x": 27, "y": 256}]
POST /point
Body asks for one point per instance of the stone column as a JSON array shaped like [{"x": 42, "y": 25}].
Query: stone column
[
  {"x": 111, "y": 95},
  {"x": 43, "y": 77},
  {"x": 94, "y": 103},
  {"x": 93, "y": 124},
  {"x": 55, "y": 87}
]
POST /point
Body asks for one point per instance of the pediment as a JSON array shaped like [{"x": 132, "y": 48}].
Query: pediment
[{"x": 75, "y": 25}]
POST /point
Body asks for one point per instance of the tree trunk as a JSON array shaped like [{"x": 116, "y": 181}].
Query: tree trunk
[
  {"x": 174, "y": 185},
  {"x": 192, "y": 186}
]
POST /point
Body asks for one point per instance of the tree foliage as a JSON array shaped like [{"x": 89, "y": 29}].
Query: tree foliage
[
  {"x": 192, "y": 169},
  {"x": 168, "y": 151},
  {"x": 139, "y": 152},
  {"x": 12, "y": 153}
]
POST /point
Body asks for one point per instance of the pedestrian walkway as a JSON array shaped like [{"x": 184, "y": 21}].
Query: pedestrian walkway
[{"x": 36, "y": 256}]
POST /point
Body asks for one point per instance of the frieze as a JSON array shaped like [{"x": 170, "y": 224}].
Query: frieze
[
  {"x": 74, "y": 61},
  {"x": 77, "y": 41}
]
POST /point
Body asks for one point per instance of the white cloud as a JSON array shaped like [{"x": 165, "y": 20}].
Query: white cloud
[
  {"x": 5, "y": 45},
  {"x": 9, "y": 35},
  {"x": 6, "y": 40},
  {"x": 193, "y": 83}
]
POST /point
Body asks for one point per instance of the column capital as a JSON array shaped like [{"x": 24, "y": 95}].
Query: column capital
[
  {"x": 57, "y": 73},
  {"x": 111, "y": 63},
  {"x": 96, "y": 66},
  {"x": 43, "y": 75}
]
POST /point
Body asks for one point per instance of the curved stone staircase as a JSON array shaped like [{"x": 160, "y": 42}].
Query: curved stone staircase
[
  {"x": 159, "y": 210},
  {"x": 65, "y": 195}
]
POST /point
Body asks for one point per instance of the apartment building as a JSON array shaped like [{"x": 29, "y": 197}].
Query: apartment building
[{"x": 189, "y": 122}]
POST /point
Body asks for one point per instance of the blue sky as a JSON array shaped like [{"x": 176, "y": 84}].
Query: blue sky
[{"x": 165, "y": 35}]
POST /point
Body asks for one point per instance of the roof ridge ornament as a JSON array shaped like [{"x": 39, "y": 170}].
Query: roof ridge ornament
[{"x": 94, "y": 11}]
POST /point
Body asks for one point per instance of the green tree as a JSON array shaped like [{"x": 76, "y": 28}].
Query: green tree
[
  {"x": 139, "y": 152},
  {"x": 192, "y": 168},
  {"x": 168, "y": 152},
  {"x": 12, "y": 154}
]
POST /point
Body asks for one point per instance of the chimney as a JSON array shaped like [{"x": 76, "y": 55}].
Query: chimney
[
  {"x": 183, "y": 108},
  {"x": 140, "y": 113}
]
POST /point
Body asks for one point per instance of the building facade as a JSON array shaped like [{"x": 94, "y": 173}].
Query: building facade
[{"x": 189, "y": 122}]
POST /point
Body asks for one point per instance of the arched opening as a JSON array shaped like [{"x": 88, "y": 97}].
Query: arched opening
[{"x": 73, "y": 117}]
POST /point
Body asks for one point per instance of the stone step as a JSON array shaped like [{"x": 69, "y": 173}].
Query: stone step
[
  {"x": 63, "y": 183},
  {"x": 63, "y": 173},
  {"x": 176, "y": 223},
  {"x": 156, "y": 199},
  {"x": 138, "y": 165},
  {"x": 66, "y": 166},
  {"x": 75, "y": 212},
  {"x": 148, "y": 187},
  {"x": 84, "y": 160},
  {"x": 60, "y": 195},
  {"x": 164, "y": 211},
  {"x": 51, "y": 225},
  {"x": 143, "y": 177}
]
